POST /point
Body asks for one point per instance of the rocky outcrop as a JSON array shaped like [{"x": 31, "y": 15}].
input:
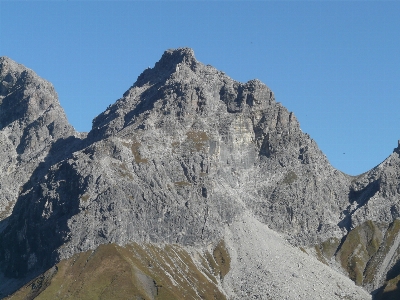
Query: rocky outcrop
[
  {"x": 370, "y": 252},
  {"x": 187, "y": 156},
  {"x": 31, "y": 122},
  {"x": 260, "y": 265},
  {"x": 185, "y": 150},
  {"x": 375, "y": 194}
]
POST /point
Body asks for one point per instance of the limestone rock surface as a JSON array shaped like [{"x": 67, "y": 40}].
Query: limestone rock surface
[
  {"x": 189, "y": 157},
  {"x": 31, "y": 122}
]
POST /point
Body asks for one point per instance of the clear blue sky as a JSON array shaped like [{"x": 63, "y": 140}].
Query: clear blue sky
[{"x": 336, "y": 65}]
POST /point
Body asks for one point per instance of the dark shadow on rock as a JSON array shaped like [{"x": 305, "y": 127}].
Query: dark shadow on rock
[
  {"x": 33, "y": 127},
  {"x": 14, "y": 105},
  {"x": 343, "y": 239},
  {"x": 381, "y": 294},
  {"x": 377, "y": 294},
  {"x": 394, "y": 271},
  {"x": 146, "y": 103},
  {"x": 38, "y": 224},
  {"x": 346, "y": 221},
  {"x": 233, "y": 98},
  {"x": 361, "y": 197}
]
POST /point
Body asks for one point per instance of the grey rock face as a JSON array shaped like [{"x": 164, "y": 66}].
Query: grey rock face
[
  {"x": 229, "y": 138},
  {"x": 31, "y": 120},
  {"x": 375, "y": 195},
  {"x": 186, "y": 152}
]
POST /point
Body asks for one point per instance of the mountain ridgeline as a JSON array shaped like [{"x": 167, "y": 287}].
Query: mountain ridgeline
[{"x": 193, "y": 184}]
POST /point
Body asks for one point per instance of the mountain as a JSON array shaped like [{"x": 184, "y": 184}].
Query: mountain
[
  {"x": 31, "y": 121},
  {"x": 192, "y": 184}
]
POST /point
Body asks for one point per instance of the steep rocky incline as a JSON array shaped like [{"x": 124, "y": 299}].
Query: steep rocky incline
[
  {"x": 188, "y": 157},
  {"x": 375, "y": 194},
  {"x": 374, "y": 214},
  {"x": 252, "y": 263},
  {"x": 31, "y": 121},
  {"x": 185, "y": 150},
  {"x": 228, "y": 138}
]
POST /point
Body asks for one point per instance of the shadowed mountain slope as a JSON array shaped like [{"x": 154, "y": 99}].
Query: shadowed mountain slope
[{"x": 31, "y": 121}]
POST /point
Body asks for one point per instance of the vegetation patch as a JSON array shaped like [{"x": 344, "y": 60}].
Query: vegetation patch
[
  {"x": 219, "y": 260},
  {"x": 222, "y": 258},
  {"x": 384, "y": 248},
  {"x": 182, "y": 183},
  {"x": 304, "y": 250},
  {"x": 360, "y": 245},
  {"x": 136, "y": 271},
  {"x": 320, "y": 257},
  {"x": 391, "y": 290},
  {"x": 175, "y": 145},
  {"x": 391, "y": 234},
  {"x": 175, "y": 272},
  {"x": 85, "y": 197},
  {"x": 124, "y": 172},
  {"x": 36, "y": 286},
  {"x": 329, "y": 247}
]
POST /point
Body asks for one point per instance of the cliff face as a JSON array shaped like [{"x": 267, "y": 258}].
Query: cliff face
[
  {"x": 373, "y": 218},
  {"x": 376, "y": 193},
  {"x": 187, "y": 156},
  {"x": 31, "y": 121}
]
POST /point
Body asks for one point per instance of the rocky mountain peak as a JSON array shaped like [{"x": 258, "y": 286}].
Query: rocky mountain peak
[
  {"x": 31, "y": 121},
  {"x": 171, "y": 61},
  {"x": 189, "y": 157},
  {"x": 9, "y": 65},
  {"x": 24, "y": 95},
  {"x": 173, "y": 57},
  {"x": 8, "y": 73},
  {"x": 183, "y": 90}
]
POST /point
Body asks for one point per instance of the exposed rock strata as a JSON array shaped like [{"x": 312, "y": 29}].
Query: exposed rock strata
[
  {"x": 31, "y": 122},
  {"x": 370, "y": 252},
  {"x": 261, "y": 265},
  {"x": 186, "y": 152}
]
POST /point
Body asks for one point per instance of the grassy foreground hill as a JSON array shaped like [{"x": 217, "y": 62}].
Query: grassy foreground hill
[{"x": 136, "y": 271}]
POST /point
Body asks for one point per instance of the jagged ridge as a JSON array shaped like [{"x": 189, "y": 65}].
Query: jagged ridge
[{"x": 186, "y": 152}]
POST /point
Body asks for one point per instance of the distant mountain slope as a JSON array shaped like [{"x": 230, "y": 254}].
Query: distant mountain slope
[{"x": 189, "y": 158}]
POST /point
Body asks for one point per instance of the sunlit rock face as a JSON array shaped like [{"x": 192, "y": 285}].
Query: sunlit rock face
[{"x": 187, "y": 156}]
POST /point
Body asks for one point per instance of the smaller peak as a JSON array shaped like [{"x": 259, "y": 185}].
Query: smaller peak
[
  {"x": 9, "y": 61},
  {"x": 5, "y": 58},
  {"x": 256, "y": 82},
  {"x": 8, "y": 65}
]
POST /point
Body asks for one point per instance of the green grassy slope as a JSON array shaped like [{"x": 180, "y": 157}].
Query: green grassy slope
[{"x": 135, "y": 271}]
